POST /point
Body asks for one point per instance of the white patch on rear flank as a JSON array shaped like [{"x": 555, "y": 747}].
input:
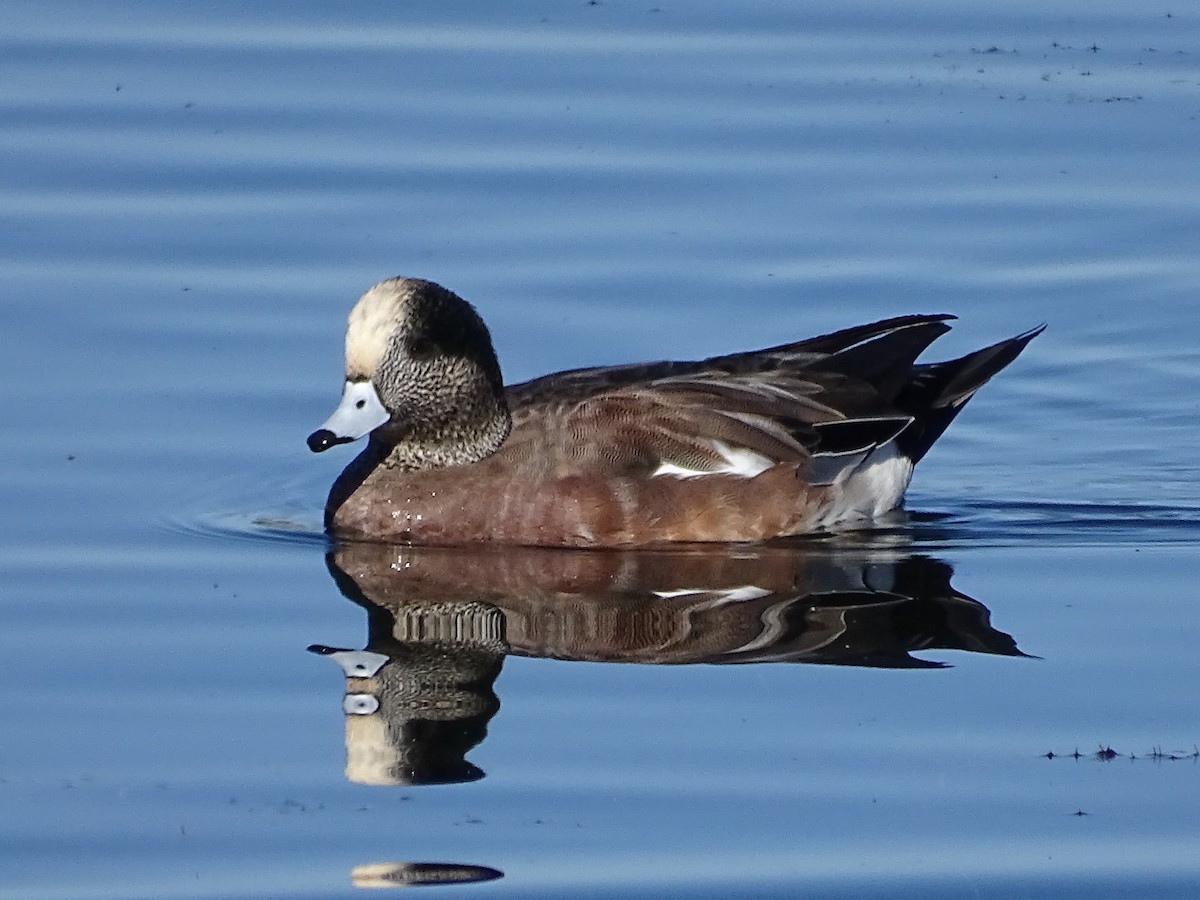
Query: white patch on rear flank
[
  {"x": 737, "y": 461},
  {"x": 874, "y": 487},
  {"x": 371, "y": 324}
]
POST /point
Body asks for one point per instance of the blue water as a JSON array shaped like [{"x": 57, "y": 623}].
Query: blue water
[{"x": 191, "y": 199}]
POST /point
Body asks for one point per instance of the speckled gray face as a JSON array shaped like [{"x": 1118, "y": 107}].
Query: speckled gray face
[{"x": 359, "y": 413}]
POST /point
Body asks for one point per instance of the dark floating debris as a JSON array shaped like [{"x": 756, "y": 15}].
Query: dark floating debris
[{"x": 1105, "y": 753}]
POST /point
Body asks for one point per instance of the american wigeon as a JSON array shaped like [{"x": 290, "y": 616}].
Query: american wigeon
[{"x": 817, "y": 434}]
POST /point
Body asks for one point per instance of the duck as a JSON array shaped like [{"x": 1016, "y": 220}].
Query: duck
[{"x": 803, "y": 438}]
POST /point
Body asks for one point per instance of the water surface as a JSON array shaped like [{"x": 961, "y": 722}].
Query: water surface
[{"x": 193, "y": 197}]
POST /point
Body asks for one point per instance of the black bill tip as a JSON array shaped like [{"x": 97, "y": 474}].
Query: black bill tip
[{"x": 322, "y": 439}]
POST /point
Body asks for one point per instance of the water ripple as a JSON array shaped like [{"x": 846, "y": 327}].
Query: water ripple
[
  {"x": 245, "y": 526},
  {"x": 969, "y": 524},
  {"x": 1027, "y": 523}
]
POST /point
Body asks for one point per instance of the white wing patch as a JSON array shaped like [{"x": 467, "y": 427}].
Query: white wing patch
[
  {"x": 720, "y": 597},
  {"x": 738, "y": 461}
]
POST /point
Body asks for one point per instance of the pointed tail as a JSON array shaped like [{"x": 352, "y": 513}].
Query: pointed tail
[{"x": 938, "y": 391}]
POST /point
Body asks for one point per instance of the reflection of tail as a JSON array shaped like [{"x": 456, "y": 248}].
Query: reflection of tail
[
  {"x": 947, "y": 619},
  {"x": 938, "y": 391}
]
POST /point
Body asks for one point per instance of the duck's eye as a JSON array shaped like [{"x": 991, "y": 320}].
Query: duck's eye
[
  {"x": 419, "y": 347},
  {"x": 360, "y": 404}
]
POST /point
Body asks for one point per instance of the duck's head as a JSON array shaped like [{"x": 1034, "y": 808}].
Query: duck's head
[{"x": 420, "y": 371}]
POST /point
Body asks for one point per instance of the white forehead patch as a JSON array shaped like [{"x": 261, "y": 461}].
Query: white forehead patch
[{"x": 371, "y": 325}]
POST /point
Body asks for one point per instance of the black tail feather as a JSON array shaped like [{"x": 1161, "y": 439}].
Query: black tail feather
[
  {"x": 937, "y": 392},
  {"x": 837, "y": 341},
  {"x": 886, "y": 362}
]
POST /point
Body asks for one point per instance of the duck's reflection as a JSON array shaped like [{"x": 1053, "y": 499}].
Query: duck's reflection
[
  {"x": 440, "y": 622},
  {"x": 419, "y": 696},
  {"x": 408, "y": 874}
]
